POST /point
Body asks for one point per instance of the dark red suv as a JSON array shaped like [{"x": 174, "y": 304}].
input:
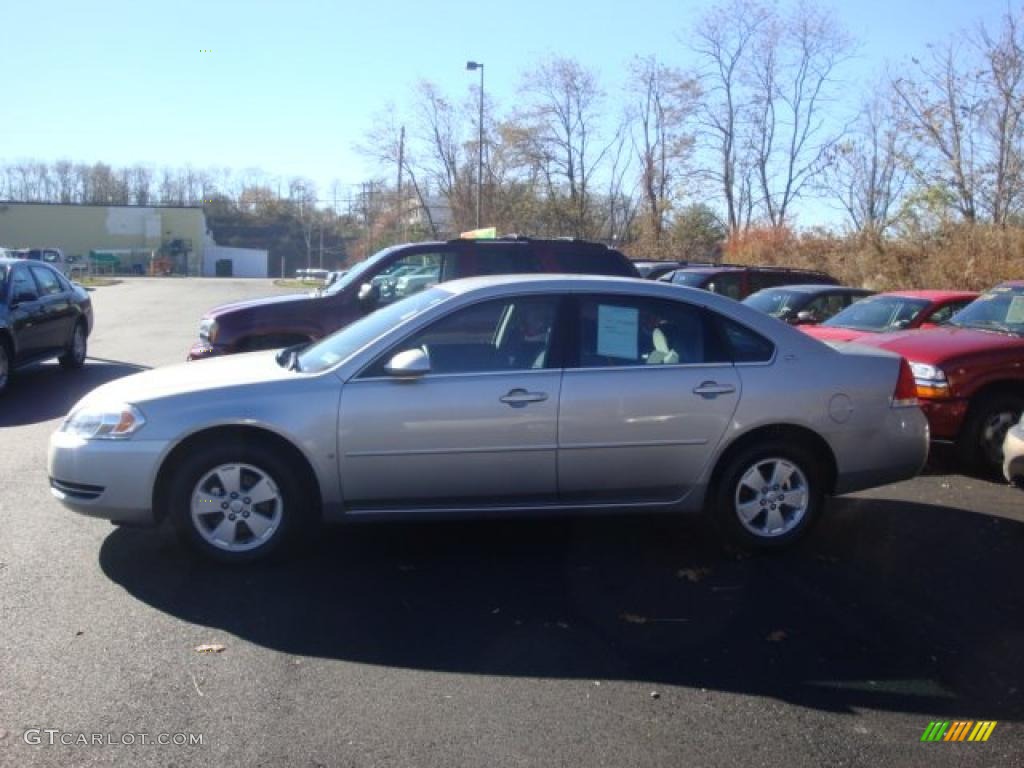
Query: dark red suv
[
  {"x": 737, "y": 281},
  {"x": 387, "y": 276}
]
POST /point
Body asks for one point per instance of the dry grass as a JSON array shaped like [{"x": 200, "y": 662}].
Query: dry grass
[{"x": 968, "y": 257}]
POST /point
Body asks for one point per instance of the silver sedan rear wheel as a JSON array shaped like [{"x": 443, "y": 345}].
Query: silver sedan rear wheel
[
  {"x": 768, "y": 494},
  {"x": 772, "y": 497},
  {"x": 236, "y": 507}
]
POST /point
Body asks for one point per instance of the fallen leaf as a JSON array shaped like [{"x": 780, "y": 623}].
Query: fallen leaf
[
  {"x": 777, "y": 636},
  {"x": 693, "y": 575},
  {"x": 632, "y": 618},
  {"x": 209, "y": 648},
  {"x": 79, "y": 633}
]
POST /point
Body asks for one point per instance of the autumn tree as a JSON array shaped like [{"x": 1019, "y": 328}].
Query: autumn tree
[{"x": 662, "y": 103}]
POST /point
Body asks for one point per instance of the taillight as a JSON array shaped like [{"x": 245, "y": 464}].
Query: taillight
[{"x": 906, "y": 388}]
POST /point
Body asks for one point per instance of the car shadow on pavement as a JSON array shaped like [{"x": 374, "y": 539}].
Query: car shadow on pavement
[
  {"x": 886, "y": 605},
  {"x": 45, "y": 391}
]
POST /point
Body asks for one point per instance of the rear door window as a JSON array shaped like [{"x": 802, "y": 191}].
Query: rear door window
[
  {"x": 745, "y": 345},
  {"x": 48, "y": 283},
  {"x": 616, "y": 331}
]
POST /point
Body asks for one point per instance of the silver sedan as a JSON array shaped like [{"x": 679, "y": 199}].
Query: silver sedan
[{"x": 511, "y": 395}]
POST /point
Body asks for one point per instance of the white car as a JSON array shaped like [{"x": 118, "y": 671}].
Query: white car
[{"x": 1013, "y": 454}]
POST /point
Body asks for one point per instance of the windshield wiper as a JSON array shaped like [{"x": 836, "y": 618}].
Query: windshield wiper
[{"x": 990, "y": 325}]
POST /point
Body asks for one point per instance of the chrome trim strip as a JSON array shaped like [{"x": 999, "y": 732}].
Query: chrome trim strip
[
  {"x": 469, "y": 374},
  {"x": 638, "y": 444},
  {"x": 444, "y": 451},
  {"x": 553, "y": 507}
]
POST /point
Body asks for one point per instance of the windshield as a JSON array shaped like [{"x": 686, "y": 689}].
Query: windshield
[
  {"x": 357, "y": 271},
  {"x": 879, "y": 314},
  {"x": 1001, "y": 309},
  {"x": 689, "y": 278},
  {"x": 776, "y": 303},
  {"x": 343, "y": 344}
]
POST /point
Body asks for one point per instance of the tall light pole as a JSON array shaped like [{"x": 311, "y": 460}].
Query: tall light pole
[{"x": 471, "y": 65}]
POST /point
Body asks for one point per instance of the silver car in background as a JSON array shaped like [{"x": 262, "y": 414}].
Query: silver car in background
[{"x": 511, "y": 395}]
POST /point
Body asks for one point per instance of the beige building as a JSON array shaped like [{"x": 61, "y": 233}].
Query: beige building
[{"x": 131, "y": 231}]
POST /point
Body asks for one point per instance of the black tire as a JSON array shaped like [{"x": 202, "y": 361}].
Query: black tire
[
  {"x": 727, "y": 494},
  {"x": 292, "y": 510},
  {"x": 74, "y": 358},
  {"x": 980, "y": 444},
  {"x": 6, "y": 364}
]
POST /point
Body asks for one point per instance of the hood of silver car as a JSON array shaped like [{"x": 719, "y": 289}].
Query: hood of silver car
[{"x": 203, "y": 375}]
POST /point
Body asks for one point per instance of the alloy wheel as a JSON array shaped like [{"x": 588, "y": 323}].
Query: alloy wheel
[
  {"x": 772, "y": 497},
  {"x": 236, "y": 507}
]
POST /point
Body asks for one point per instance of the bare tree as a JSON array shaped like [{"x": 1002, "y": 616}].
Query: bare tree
[
  {"x": 869, "y": 170},
  {"x": 1003, "y": 125},
  {"x": 663, "y": 101},
  {"x": 723, "y": 42},
  {"x": 939, "y": 108},
  {"x": 563, "y": 143},
  {"x": 794, "y": 62}
]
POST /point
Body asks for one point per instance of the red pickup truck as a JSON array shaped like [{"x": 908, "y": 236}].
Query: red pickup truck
[{"x": 970, "y": 373}]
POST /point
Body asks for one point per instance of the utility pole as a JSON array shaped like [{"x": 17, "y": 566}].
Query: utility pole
[
  {"x": 471, "y": 65},
  {"x": 401, "y": 162},
  {"x": 321, "y": 243}
]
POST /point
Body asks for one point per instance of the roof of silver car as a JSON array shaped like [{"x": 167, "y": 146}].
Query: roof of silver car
[{"x": 553, "y": 281}]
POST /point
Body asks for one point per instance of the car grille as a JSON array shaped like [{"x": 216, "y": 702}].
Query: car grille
[{"x": 76, "y": 490}]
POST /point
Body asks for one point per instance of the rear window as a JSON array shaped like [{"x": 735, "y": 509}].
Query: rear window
[
  {"x": 746, "y": 345},
  {"x": 693, "y": 279},
  {"x": 592, "y": 262},
  {"x": 776, "y": 302}
]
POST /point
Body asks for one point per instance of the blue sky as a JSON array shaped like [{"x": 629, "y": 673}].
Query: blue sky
[{"x": 291, "y": 87}]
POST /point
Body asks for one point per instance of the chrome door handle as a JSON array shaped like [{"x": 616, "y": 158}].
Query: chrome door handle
[
  {"x": 713, "y": 389},
  {"x": 517, "y": 398}
]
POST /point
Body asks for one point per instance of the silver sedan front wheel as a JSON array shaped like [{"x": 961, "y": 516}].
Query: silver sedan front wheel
[
  {"x": 238, "y": 500},
  {"x": 236, "y": 507}
]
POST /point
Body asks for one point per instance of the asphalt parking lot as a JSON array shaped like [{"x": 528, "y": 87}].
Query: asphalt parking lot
[{"x": 593, "y": 642}]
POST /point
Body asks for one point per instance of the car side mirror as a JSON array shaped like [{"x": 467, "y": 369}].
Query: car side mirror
[
  {"x": 368, "y": 295},
  {"x": 410, "y": 364},
  {"x": 806, "y": 316},
  {"x": 923, "y": 325}
]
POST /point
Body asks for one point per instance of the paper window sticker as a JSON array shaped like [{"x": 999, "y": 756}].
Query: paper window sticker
[{"x": 617, "y": 331}]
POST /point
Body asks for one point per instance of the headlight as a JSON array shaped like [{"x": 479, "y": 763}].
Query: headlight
[
  {"x": 116, "y": 422},
  {"x": 208, "y": 330},
  {"x": 931, "y": 380}
]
